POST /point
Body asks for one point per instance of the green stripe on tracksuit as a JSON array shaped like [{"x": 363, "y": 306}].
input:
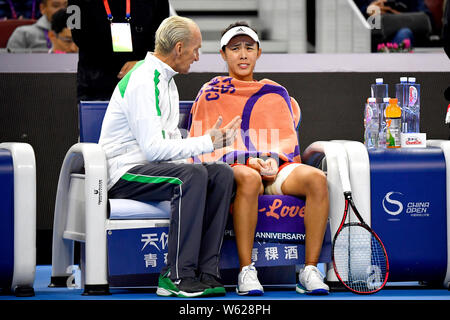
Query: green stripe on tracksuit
[
  {"x": 149, "y": 179},
  {"x": 123, "y": 83},
  {"x": 200, "y": 199}
]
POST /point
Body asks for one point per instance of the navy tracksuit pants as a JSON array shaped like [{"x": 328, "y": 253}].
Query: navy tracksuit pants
[{"x": 200, "y": 196}]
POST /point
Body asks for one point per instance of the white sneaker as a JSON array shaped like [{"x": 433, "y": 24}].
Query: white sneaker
[
  {"x": 248, "y": 283},
  {"x": 310, "y": 281}
]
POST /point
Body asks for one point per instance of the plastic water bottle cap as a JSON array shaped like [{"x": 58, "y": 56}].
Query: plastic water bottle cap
[
  {"x": 372, "y": 100},
  {"x": 386, "y": 99},
  {"x": 403, "y": 79},
  {"x": 379, "y": 80},
  {"x": 412, "y": 80},
  {"x": 393, "y": 101}
]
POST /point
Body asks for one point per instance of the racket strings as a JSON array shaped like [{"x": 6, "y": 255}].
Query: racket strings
[{"x": 360, "y": 259}]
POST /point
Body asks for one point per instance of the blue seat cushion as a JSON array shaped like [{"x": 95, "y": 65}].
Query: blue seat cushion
[
  {"x": 279, "y": 213},
  {"x": 126, "y": 209}
]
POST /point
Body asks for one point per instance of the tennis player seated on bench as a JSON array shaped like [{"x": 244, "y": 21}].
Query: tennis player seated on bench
[{"x": 265, "y": 157}]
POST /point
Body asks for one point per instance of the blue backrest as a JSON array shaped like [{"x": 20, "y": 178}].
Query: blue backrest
[{"x": 91, "y": 115}]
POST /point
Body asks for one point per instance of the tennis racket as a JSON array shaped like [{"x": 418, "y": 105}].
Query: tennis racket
[{"x": 359, "y": 257}]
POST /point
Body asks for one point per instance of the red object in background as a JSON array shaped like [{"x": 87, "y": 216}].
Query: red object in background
[
  {"x": 447, "y": 117},
  {"x": 8, "y": 26}
]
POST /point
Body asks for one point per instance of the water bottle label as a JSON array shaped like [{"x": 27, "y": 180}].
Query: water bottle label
[{"x": 413, "y": 95}]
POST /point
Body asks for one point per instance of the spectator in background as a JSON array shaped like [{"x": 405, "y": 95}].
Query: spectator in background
[
  {"x": 60, "y": 35},
  {"x": 99, "y": 67},
  {"x": 371, "y": 7},
  {"x": 446, "y": 43},
  {"x": 395, "y": 7},
  {"x": 19, "y": 9},
  {"x": 446, "y": 29},
  {"x": 35, "y": 36},
  {"x": 436, "y": 7}
]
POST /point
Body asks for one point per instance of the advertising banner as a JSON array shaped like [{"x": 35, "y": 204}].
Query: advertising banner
[{"x": 409, "y": 211}]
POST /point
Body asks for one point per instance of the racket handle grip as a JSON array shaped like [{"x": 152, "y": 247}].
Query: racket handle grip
[
  {"x": 343, "y": 172},
  {"x": 348, "y": 195}
]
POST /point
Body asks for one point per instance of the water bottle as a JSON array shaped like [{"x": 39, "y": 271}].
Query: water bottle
[
  {"x": 401, "y": 93},
  {"x": 379, "y": 90},
  {"x": 382, "y": 132},
  {"x": 411, "y": 114},
  {"x": 371, "y": 123}
]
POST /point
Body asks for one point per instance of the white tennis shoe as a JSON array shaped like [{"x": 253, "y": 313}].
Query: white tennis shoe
[
  {"x": 248, "y": 283},
  {"x": 310, "y": 281}
]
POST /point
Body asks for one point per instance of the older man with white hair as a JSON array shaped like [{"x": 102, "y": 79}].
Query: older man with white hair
[{"x": 145, "y": 154}]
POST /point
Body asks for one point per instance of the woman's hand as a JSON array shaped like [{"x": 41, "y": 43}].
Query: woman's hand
[
  {"x": 257, "y": 164},
  {"x": 379, "y": 6},
  {"x": 270, "y": 171}
]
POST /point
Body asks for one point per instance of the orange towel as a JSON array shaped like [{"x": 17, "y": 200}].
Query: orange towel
[{"x": 270, "y": 118}]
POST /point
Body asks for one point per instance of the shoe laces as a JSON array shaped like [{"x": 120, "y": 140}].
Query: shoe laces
[
  {"x": 249, "y": 271},
  {"x": 186, "y": 280},
  {"x": 313, "y": 271}
]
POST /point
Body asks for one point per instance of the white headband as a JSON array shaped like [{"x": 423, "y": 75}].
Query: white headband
[{"x": 238, "y": 31}]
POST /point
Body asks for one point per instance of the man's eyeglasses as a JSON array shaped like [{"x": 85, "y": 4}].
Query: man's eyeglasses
[{"x": 65, "y": 39}]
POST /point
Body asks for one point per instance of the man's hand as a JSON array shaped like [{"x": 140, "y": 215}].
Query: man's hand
[
  {"x": 126, "y": 67},
  {"x": 225, "y": 136}
]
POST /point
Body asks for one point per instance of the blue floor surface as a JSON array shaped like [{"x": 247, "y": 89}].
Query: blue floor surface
[
  {"x": 280, "y": 299},
  {"x": 398, "y": 291}
]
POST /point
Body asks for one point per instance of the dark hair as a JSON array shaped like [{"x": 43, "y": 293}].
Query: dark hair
[
  {"x": 59, "y": 20},
  {"x": 237, "y": 24}
]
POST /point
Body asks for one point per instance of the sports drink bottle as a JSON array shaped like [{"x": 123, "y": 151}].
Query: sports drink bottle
[{"x": 393, "y": 115}]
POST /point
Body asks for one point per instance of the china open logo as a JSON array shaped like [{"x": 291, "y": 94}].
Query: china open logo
[
  {"x": 390, "y": 209},
  {"x": 394, "y": 207}
]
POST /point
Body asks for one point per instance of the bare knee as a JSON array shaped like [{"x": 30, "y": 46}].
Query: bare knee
[
  {"x": 248, "y": 180},
  {"x": 317, "y": 184},
  {"x": 311, "y": 182}
]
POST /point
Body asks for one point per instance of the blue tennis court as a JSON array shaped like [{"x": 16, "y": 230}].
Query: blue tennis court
[{"x": 392, "y": 292}]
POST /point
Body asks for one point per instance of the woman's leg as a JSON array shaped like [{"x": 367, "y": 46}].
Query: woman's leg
[
  {"x": 312, "y": 183},
  {"x": 245, "y": 210}
]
